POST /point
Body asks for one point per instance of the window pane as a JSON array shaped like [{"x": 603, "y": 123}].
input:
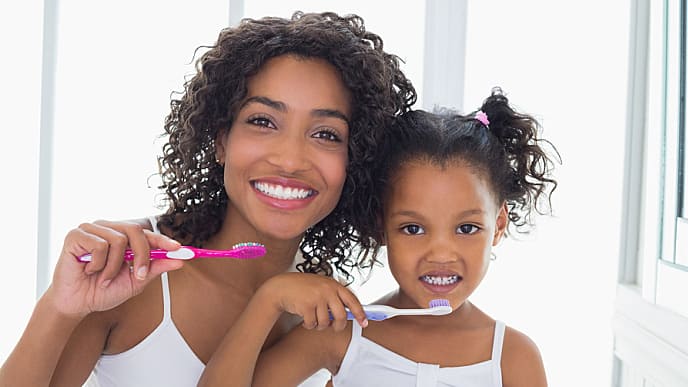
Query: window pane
[{"x": 118, "y": 63}]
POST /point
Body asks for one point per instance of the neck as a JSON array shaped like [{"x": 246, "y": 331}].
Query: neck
[{"x": 246, "y": 274}]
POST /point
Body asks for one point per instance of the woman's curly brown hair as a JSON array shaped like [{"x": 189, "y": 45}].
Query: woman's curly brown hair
[{"x": 192, "y": 180}]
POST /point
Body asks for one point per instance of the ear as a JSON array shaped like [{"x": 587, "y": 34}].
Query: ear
[
  {"x": 220, "y": 145},
  {"x": 501, "y": 223}
]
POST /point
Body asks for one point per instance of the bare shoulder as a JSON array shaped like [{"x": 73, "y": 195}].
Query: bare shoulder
[{"x": 521, "y": 361}]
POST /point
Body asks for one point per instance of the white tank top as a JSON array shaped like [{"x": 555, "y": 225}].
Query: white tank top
[
  {"x": 367, "y": 363},
  {"x": 163, "y": 358}
]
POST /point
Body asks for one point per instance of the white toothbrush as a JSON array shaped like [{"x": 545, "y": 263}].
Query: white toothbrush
[{"x": 437, "y": 307}]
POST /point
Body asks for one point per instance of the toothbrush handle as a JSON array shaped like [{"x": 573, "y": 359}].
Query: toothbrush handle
[
  {"x": 375, "y": 316},
  {"x": 247, "y": 250},
  {"x": 154, "y": 254},
  {"x": 372, "y": 316},
  {"x": 129, "y": 255}
]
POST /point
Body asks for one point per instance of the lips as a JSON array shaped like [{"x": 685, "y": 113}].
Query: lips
[
  {"x": 440, "y": 282},
  {"x": 283, "y": 192}
]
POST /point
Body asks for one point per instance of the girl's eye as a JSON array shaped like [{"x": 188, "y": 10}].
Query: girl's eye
[
  {"x": 261, "y": 121},
  {"x": 328, "y": 135},
  {"x": 413, "y": 229},
  {"x": 467, "y": 229}
]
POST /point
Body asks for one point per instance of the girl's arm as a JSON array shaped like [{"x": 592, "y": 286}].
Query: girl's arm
[
  {"x": 521, "y": 361},
  {"x": 64, "y": 314},
  {"x": 301, "y": 353}
]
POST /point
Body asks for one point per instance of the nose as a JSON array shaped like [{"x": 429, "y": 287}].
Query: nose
[
  {"x": 443, "y": 249},
  {"x": 290, "y": 153}
]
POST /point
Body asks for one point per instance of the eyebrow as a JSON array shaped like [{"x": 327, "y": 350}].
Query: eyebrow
[
  {"x": 282, "y": 107},
  {"x": 475, "y": 211}
]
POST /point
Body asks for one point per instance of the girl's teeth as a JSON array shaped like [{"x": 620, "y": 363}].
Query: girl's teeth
[
  {"x": 283, "y": 193},
  {"x": 440, "y": 280}
]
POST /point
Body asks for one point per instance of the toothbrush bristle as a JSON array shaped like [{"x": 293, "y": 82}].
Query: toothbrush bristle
[
  {"x": 248, "y": 250},
  {"x": 439, "y": 302},
  {"x": 247, "y": 244}
]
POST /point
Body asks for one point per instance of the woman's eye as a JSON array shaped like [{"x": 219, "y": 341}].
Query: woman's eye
[
  {"x": 413, "y": 229},
  {"x": 261, "y": 121},
  {"x": 327, "y": 135},
  {"x": 467, "y": 229}
]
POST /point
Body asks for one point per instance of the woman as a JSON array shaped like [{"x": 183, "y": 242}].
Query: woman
[{"x": 272, "y": 141}]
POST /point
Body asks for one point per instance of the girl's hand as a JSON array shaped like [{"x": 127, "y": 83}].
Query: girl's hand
[
  {"x": 81, "y": 288},
  {"x": 314, "y": 298}
]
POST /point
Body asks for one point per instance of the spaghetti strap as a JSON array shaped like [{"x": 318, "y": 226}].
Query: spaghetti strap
[
  {"x": 498, "y": 341},
  {"x": 356, "y": 330},
  {"x": 166, "y": 310},
  {"x": 154, "y": 223},
  {"x": 497, "y": 345},
  {"x": 167, "y": 314}
]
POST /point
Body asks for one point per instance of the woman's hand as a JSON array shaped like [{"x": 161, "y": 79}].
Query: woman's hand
[
  {"x": 81, "y": 288},
  {"x": 319, "y": 300}
]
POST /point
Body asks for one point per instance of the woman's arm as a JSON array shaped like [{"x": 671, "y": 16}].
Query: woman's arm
[
  {"x": 311, "y": 296},
  {"x": 300, "y": 354},
  {"x": 35, "y": 357},
  {"x": 65, "y": 313}
]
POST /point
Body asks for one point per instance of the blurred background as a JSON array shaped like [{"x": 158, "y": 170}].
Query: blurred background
[{"x": 86, "y": 87}]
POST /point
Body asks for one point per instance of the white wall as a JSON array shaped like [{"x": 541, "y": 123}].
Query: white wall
[
  {"x": 20, "y": 116},
  {"x": 117, "y": 64}
]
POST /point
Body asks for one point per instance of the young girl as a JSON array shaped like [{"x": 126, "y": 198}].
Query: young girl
[
  {"x": 452, "y": 186},
  {"x": 272, "y": 141}
]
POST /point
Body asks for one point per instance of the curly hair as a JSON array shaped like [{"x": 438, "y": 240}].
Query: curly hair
[
  {"x": 507, "y": 152},
  {"x": 192, "y": 180}
]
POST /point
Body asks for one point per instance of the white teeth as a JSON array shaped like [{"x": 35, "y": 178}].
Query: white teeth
[
  {"x": 440, "y": 280},
  {"x": 281, "y": 192}
]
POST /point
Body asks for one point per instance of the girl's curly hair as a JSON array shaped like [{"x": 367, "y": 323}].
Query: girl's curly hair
[
  {"x": 507, "y": 152},
  {"x": 192, "y": 180}
]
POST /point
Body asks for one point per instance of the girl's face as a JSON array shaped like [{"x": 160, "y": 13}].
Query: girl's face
[
  {"x": 286, "y": 153},
  {"x": 440, "y": 225}
]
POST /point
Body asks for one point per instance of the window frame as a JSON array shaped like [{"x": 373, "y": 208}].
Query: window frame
[
  {"x": 671, "y": 277},
  {"x": 649, "y": 319}
]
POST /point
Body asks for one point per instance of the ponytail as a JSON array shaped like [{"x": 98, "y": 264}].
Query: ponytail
[{"x": 526, "y": 186}]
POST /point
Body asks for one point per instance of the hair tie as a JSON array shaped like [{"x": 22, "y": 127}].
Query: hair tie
[{"x": 482, "y": 117}]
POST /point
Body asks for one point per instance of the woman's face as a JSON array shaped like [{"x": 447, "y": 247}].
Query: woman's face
[{"x": 285, "y": 155}]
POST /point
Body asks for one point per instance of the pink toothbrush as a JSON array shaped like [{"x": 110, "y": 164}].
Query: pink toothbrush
[{"x": 246, "y": 250}]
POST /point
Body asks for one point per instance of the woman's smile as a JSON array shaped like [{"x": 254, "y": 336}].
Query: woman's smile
[{"x": 283, "y": 193}]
